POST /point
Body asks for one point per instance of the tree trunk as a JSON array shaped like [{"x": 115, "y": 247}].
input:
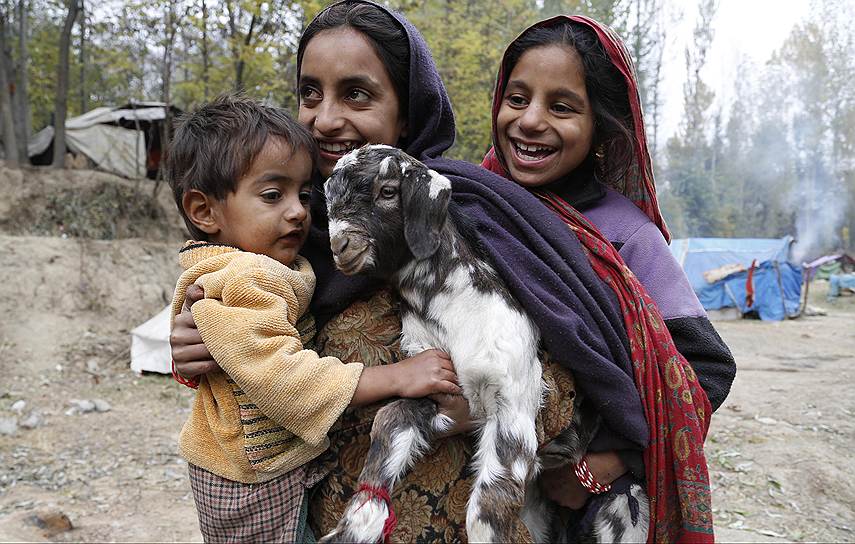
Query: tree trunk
[
  {"x": 8, "y": 124},
  {"x": 84, "y": 96},
  {"x": 61, "y": 102},
  {"x": 166, "y": 79},
  {"x": 24, "y": 128},
  {"x": 241, "y": 52},
  {"x": 205, "y": 60}
]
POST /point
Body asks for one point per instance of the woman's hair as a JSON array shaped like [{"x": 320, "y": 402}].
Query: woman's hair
[
  {"x": 606, "y": 88},
  {"x": 386, "y": 35}
]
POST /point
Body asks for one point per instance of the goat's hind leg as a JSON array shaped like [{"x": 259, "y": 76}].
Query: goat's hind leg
[
  {"x": 402, "y": 432},
  {"x": 620, "y": 521},
  {"x": 504, "y": 462}
]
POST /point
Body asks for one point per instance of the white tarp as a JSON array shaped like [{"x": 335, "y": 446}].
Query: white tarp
[
  {"x": 112, "y": 148},
  {"x": 150, "y": 345}
]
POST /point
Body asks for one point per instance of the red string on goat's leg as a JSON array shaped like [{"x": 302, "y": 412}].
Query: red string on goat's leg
[{"x": 381, "y": 493}]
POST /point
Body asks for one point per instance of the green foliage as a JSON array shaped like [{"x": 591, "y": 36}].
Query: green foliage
[
  {"x": 784, "y": 164},
  {"x": 780, "y": 154}
]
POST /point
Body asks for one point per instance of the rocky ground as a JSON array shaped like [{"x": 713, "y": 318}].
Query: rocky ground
[{"x": 87, "y": 448}]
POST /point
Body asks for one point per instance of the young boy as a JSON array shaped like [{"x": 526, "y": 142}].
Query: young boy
[{"x": 241, "y": 173}]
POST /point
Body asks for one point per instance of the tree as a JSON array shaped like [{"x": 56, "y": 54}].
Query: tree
[
  {"x": 691, "y": 156},
  {"x": 74, "y": 7},
  {"x": 8, "y": 125},
  {"x": 21, "y": 100}
]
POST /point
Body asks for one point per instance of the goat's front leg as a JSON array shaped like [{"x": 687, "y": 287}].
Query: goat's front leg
[{"x": 401, "y": 434}]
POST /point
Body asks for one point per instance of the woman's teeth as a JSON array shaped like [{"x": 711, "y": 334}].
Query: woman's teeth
[
  {"x": 532, "y": 152},
  {"x": 345, "y": 147}
]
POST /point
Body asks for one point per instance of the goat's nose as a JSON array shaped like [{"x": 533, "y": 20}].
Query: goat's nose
[{"x": 338, "y": 243}]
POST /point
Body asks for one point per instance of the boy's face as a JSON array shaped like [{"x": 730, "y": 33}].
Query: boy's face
[{"x": 269, "y": 211}]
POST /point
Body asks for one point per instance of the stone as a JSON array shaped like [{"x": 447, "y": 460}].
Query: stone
[
  {"x": 8, "y": 425},
  {"x": 18, "y": 406},
  {"x": 32, "y": 421},
  {"x": 101, "y": 405},
  {"x": 81, "y": 406},
  {"x": 51, "y": 522}
]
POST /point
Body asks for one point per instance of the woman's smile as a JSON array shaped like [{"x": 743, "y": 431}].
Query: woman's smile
[{"x": 347, "y": 98}]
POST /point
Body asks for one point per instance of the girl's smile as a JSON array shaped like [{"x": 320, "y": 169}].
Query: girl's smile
[{"x": 545, "y": 125}]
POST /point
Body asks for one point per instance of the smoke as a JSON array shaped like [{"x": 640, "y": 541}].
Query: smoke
[{"x": 820, "y": 197}]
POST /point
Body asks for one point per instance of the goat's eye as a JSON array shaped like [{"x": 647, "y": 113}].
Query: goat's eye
[{"x": 388, "y": 192}]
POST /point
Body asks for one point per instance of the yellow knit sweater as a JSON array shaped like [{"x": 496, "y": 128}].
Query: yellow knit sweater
[{"x": 269, "y": 410}]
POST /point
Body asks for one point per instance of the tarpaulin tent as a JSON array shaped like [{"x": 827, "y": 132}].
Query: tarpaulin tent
[
  {"x": 124, "y": 140},
  {"x": 823, "y": 267},
  {"x": 150, "y": 345},
  {"x": 750, "y": 274}
]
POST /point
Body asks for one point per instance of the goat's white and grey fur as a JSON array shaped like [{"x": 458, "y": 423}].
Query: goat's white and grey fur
[{"x": 389, "y": 217}]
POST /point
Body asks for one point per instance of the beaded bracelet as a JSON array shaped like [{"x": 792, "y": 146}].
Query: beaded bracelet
[{"x": 586, "y": 478}]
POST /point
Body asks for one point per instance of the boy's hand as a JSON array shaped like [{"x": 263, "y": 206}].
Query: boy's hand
[
  {"x": 427, "y": 373},
  {"x": 189, "y": 353}
]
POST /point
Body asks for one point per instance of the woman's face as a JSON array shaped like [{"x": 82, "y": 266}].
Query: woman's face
[
  {"x": 545, "y": 124},
  {"x": 346, "y": 97}
]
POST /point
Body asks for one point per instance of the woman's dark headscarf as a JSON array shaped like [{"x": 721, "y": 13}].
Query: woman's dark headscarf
[{"x": 535, "y": 253}]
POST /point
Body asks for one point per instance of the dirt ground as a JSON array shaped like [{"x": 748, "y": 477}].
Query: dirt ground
[{"x": 779, "y": 449}]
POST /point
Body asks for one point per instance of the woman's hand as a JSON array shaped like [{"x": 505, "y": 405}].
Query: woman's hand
[
  {"x": 189, "y": 353},
  {"x": 457, "y": 408},
  {"x": 562, "y": 486},
  {"x": 428, "y": 373}
]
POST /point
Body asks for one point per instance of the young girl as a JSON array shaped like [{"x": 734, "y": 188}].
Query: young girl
[{"x": 567, "y": 124}]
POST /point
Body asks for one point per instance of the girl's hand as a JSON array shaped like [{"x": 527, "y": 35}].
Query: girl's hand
[
  {"x": 457, "y": 408},
  {"x": 562, "y": 486},
  {"x": 189, "y": 353},
  {"x": 425, "y": 374}
]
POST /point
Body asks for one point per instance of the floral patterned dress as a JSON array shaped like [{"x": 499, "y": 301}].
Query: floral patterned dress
[{"x": 430, "y": 501}]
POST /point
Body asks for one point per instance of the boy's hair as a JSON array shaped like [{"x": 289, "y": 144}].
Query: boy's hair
[
  {"x": 606, "y": 87},
  {"x": 215, "y": 146}
]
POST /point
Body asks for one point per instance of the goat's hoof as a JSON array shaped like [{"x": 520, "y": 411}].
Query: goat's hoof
[
  {"x": 478, "y": 531},
  {"x": 362, "y": 522},
  {"x": 344, "y": 536}
]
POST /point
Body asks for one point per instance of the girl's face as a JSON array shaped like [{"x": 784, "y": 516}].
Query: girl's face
[
  {"x": 545, "y": 124},
  {"x": 346, "y": 97}
]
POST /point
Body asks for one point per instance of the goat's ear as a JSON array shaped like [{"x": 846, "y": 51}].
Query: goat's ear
[{"x": 424, "y": 198}]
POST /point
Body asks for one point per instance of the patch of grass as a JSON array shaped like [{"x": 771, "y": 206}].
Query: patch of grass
[{"x": 104, "y": 211}]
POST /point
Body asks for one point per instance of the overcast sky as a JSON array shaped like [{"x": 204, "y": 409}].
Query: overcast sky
[{"x": 743, "y": 28}]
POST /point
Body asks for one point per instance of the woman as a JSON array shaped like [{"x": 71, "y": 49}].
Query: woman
[{"x": 358, "y": 319}]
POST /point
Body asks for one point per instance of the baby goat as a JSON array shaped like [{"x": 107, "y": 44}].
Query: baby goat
[{"x": 388, "y": 217}]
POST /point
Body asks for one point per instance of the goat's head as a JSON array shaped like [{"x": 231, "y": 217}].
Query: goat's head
[{"x": 384, "y": 208}]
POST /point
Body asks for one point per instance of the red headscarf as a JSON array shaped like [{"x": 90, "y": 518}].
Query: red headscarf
[
  {"x": 676, "y": 408},
  {"x": 639, "y": 185}
]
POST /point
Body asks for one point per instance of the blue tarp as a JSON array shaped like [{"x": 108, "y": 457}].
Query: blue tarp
[{"x": 776, "y": 281}]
